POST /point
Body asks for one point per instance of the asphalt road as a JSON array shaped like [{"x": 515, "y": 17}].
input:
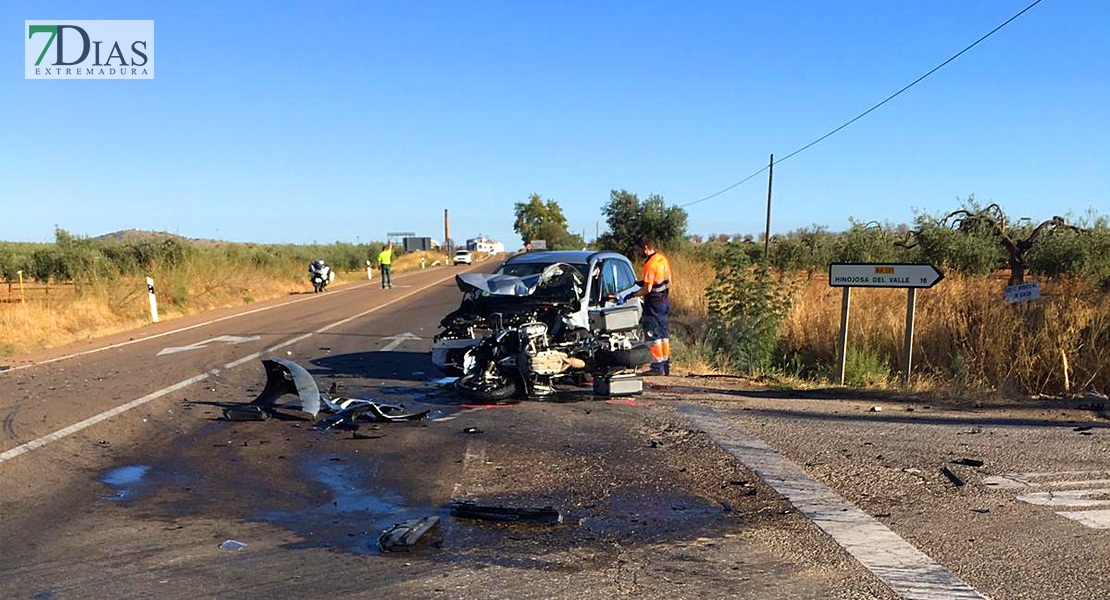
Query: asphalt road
[{"x": 120, "y": 480}]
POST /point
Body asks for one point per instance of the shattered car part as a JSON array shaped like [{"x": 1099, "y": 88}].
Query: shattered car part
[
  {"x": 470, "y": 510},
  {"x": 248, "y": 412},
  {"x": 287, "y": 377},
  {"x": 403, "y": 537},
  {"x": 951, "y": 475},
  {"x": 351, "y": 410}
]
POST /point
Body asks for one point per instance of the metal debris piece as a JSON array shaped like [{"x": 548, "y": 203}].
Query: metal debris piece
[
  {"x": 952, "y": 476},
  {"x": 470, "y": 510},
  {"x": 234, "y": 545},
  {"x": 968, "y": 462},
  {"x": 351, "y": 410},
  {"x": 287, "y": 377},
  {"x": 875, "y": 409},
  {"x": 472, "y": 430},
  {"x": 1083, "y": 428},
  {"x": 249, "y": 412},
  {"x": 403, "y": 537}
]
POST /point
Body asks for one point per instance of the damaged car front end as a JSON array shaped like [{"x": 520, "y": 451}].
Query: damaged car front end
[{"x": 540, "y": 321}]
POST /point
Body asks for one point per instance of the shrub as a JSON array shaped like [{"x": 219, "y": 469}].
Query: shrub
[{"x": 747, "y": 306}]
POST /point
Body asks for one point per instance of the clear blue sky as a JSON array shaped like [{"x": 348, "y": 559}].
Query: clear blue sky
[{"x": 325, "y": 121}]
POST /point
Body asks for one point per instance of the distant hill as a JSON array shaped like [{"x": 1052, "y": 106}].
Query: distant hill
[{"x": 139, "y": 235}]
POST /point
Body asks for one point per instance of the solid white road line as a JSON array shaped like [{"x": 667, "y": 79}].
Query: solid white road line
[
  {"x": 903, "y": 568},
  {"x": 93, "y": 420},
  {"x": 61, "y": 433},
  {"x": 179, "y": 330}
]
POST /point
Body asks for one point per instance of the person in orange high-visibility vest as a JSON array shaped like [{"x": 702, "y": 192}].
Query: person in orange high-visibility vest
[{"x": 655, "y": 290}]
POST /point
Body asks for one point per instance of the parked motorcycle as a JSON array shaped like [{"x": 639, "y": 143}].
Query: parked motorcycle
[{"x": 320, "y": 274}]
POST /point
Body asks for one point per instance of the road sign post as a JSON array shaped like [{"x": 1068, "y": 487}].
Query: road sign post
[
  {"x": 907, "y": 351},
  {"x": 882, "y": 275},
  {"x": 842, "y": 348}
]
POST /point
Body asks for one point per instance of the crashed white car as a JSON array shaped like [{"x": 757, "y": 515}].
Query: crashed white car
[{"x": 542, "y": 317}]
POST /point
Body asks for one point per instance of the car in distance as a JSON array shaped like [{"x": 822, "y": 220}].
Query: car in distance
[{"x": 463, "y": 256}]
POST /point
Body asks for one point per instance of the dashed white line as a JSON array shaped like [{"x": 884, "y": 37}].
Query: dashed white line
[
  {"x": 904, "y": 569},
  {"x": 61, "y": 433}
]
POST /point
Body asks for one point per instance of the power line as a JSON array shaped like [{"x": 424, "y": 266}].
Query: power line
[{"x": 868, "y": 111}]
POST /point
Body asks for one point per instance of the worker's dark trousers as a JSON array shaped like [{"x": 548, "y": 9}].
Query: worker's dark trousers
[
  {"x": 387, "y": 277},
  {"x": 657, "y": 310}
]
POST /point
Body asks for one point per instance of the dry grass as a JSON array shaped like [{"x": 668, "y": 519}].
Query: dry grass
[
  {"x": 46, "y": 322},
  {"x": 966, "y": 337}
]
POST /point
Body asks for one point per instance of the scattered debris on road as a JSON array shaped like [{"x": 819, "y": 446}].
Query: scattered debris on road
[
  {"x": 951, "y": 475},
  {"x": 470, "y": 510},
  {"x": 875, "y": 409},
  {"x": 472, "y": 430},
  {"x": 403, "y": 537},
  {"x": 249, "y": 412},
  {"x": 287, "y": 377},
  {"x": 968, "y": 462},
  {"x": 628, "y": 402},
  {"x": 233, "y": 545}
]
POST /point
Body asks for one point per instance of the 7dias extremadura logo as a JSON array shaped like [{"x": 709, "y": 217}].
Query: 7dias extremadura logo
[{"x": 89, "y": 50}]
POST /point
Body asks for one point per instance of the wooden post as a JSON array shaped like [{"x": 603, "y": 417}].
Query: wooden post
[
  {"x": 767, "y": 232},
  {"x": 842, "y": 349},
  {"x": 907, "y": 352}
]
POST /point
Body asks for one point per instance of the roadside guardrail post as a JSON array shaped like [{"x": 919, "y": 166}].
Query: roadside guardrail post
[{"x": 153, "y": 300}]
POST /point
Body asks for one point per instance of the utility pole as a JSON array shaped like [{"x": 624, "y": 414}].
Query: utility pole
[
  {"x": 446, "y": 235},
  {"x": 767, "y": 232}
]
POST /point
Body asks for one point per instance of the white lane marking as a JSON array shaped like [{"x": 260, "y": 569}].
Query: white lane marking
[
  {"x": 93, "y": 420},
  {"x": 398, "y": 339},
  {"x": 904, "y": 569},
  {"x": 61, "y": 433},
  {"x": 1070, "y": 498},
  {"x": 1095, "y": 519},
  {"x": 225, "y": 339},
  {"x": 1067, "y": 498},
  {"x": 470, "y": 458},
  {"x": 180, "y": 329}
]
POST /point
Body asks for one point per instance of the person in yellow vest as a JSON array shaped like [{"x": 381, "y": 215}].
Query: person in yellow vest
[
  {"x": 655, "y": 290},
  {"x": 385, "y": 263}
]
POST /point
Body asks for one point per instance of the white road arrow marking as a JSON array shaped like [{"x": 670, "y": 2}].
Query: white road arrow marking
[
  {"x": 398, "y": 339},
  {"x": 225, "y": 339}
]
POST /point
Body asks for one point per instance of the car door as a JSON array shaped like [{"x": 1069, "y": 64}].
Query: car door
[{"x": 613, "y": 277}]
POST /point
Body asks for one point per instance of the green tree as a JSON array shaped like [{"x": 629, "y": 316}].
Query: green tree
[
  {"x": 540, "y": 220},
  {"x": 629, "y": 219}
]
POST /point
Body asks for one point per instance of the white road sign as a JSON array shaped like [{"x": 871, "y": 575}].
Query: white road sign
[
  {"x": 892, "y": 275},
  {"x": 1023, "y": 292}
]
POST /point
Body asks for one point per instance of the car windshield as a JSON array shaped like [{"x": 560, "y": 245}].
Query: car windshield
[{"x": 526, "y": 269}]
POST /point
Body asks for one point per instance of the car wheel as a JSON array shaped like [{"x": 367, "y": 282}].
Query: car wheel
[{"x": 484, "y": 390}]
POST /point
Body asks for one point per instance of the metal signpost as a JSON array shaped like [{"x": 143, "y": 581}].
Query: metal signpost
[{"x": 881, "y": 275}]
